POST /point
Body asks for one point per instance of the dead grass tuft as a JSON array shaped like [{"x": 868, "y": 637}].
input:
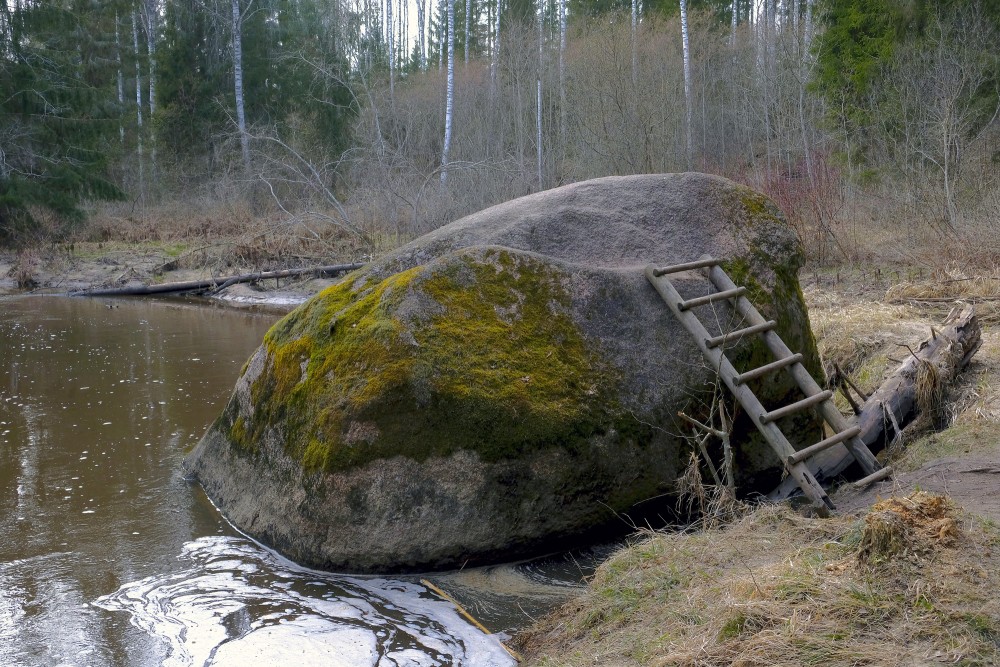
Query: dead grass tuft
[
  {"x": 906, "y": 525},
  {"x": 912, "y": 582}
]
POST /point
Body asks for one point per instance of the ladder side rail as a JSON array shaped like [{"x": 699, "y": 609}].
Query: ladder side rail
[
  {"x": 805, "y": 380},
  {"x": 800, "y": 472}
]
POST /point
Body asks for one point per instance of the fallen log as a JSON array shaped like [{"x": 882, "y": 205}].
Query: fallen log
[
  {"x": 214, "y": 284},
  {"x": 912, "y": 392}
]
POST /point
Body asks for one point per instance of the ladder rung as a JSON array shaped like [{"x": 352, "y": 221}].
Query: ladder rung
[
  {"x": 766, "y": 368},
  {"x": 876, "y": 476},
  {"x": 822, "y": 445},
  {"x": 809, "y": 401},
  {"x": 739, "y": 333},
  {"x": 677, "y": 268},
  {"x": 709, "y": 298}
]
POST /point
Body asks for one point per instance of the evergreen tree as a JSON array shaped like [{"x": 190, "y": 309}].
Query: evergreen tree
[{"x": 59, "y": 115}]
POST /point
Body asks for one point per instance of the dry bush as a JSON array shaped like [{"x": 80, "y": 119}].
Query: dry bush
[
  {"x": 25, "y": 269},
  {"x": 913, "y": 582}
]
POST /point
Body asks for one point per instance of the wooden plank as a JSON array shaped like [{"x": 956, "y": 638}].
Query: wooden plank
[
  {"x": 740, "y": 333},
  {"x": 721, "y": 364},
  {"x": 709, "y": 298},
  {"x": 876, "y": 476},
  {"x": 760, "y": 371},
  {"x": 798, "y": 372},
  {"x": 823, "y": 445},
  {"x": 792, "y": 408},
  {"x": 677, "y": 268}
]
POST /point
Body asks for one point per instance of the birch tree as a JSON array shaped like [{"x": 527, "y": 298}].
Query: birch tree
[
  {"x": 538, "y": 93},
  {"x": 138, "y": 103},
  {"x": 635, "y": 42},
  {"x": 449, "y": 105},
  {"x": 422, "y": 28},
  {"x": 468, "y": 13},
  {"x": 562, "y": 71},
  {"x": 688, "y": 104},
  {"x": 241, "y": 119}
]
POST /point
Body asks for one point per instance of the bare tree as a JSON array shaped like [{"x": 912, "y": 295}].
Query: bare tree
[{"x": 933, "y": 104}]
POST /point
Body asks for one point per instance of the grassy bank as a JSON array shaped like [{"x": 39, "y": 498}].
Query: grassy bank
[
  {"x": 912, "y": 582},
  {"x": 905, "y": 581}
]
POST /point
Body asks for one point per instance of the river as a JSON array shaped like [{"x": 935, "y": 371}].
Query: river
[{"x": 108, "y": 556}]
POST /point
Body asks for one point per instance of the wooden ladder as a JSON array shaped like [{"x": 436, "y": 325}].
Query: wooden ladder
[{"x": 713, "y": 349}]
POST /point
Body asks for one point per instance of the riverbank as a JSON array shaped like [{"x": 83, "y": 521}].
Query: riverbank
[
  {"x": 69, "y": 267},
  {"x": 906, "y": 574}
]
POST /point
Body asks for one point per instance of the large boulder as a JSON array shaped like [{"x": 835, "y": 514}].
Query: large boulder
[{"x": 503, "y": 386}]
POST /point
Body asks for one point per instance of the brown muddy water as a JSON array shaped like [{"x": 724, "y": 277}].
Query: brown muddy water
[{"x": 109, "y": 557}]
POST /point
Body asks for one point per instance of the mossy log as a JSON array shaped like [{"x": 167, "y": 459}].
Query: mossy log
[
  {"x": 910, "y": 395},
  {"x": 215, "y": 284}
]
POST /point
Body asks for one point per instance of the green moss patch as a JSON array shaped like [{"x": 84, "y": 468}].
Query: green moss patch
[{"x": 477, "y": 352}]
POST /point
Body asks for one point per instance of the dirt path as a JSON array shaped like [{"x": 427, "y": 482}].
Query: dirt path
[{"x": 972, "y": 482}]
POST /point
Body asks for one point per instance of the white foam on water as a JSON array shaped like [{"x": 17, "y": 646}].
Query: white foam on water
[{"x": 237, "y": 604}]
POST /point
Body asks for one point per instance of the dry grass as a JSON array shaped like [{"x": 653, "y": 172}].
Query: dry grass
[
  {"x": 863, "y": 336},
  {"x": 911, "y": 583}
]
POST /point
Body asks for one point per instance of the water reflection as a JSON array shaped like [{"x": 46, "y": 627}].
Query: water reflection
[
  {"x": 109, "y": 557},
  {"x": 238, "y": 604}
]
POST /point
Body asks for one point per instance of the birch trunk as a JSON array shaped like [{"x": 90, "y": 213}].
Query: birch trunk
[
  {"x": 241, "y": 120},
  {"x": 151, "y": 10},
  {"x": 138, "y": 104},
  {"x": 687, "y": 83},
  {"x": 538, "y": 95},
  {"x": 390, "y": 41},
  {"x": 422, "y": 26},
  {"x": 468, "y": 11},
  {"x": 635, "y": 43},
  {"x": 496, "y": 50},
  {"x": 808, "y": 26},
  {"x": 450, "y": 95},
  {"x": 734, "y": 19},
  {"x": 562, "y": 72},
  {"x": 121, "y": 81}
]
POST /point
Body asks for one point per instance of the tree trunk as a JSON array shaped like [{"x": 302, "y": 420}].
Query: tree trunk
[
  {"x": 121, "y": 80},
  {"x": 898, "y": 402},
  {"x": 538, "y": 95},
  {"x": 390, "y": 40},
  {"x": 496, "y": 50},
  {"x": 562, "y": 72},
  {"x": 688, "y": 141},
  {"x": 138, "y": 106},
  {"x": 468, "y": 11},
  {"x": 241, "y": 120},
  {"x": 422, "y": 26},
  {"x": 635, "y": 42},
  {"x": 449, "y": 104}
]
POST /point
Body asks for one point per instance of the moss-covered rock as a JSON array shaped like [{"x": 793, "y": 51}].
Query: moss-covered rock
[{"x": 502, "y": 386}]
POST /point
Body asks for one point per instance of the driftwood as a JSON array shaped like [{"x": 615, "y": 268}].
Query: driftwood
[
  {"x": 912, "y": 392},
  {"x": 214, "y": 285}
]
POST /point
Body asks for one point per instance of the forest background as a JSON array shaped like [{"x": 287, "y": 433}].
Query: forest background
[{"x": 347, "y": 127}]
